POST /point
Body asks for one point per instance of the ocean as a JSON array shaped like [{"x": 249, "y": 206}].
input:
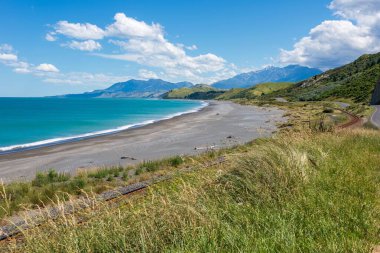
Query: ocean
[{"x": 31, "y": 122}]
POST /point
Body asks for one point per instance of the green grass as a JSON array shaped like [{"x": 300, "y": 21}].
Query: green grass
[
  {"x": 355, "y": 81},
  {"x": 47, "y": 186},
  {"x": 185, "y": 92},
  {"x": 268, "y": 88},
  {"x": 297, "y": 192},
  {"x": 255, "y": 91},
  {"x": 231, "y": 94}
]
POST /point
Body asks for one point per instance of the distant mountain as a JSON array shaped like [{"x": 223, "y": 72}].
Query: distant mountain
[
  {"x": 133, "y": 88},
  {"x": 291, "y": 73},
  {"x": 355, "y": 81}
]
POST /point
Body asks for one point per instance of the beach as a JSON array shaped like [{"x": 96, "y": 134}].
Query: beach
[{"x": 221, "y": 124}]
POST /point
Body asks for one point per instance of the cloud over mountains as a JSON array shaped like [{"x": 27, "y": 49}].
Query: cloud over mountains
[
  {"x": 336, "y": 42},
  {"x": 142, "y": 43}
]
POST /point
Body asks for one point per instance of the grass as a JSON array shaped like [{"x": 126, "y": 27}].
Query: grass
[
  {"x": 47, "y": 186},
  {"x": 255, "y": 91},
  {"x": 354, "y": 81},
  {"x": 309, "y": 188},
  {"x": 185, "y": 92},
  {"x": 297, "y": 192}
]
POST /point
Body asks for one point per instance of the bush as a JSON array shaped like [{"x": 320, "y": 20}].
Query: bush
[{"x": 176, "y": 161}]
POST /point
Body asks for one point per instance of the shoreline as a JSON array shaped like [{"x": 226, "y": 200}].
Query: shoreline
[
  {"x": 63, "y": 140},
  {"x": 220, "y": 124}
]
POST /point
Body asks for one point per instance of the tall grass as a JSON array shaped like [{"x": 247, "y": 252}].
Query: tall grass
[
  {"x": 49, "y": 185},
  {"x": 301, "y": 192}
]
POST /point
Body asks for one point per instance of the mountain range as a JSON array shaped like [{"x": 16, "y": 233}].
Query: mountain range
[
  {"x": 133, "y": 88},
  {"x": 156, "y": 87},
  {"x": 291, "y": 73}
]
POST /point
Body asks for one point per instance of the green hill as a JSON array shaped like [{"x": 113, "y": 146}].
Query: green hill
[
  {"x": 255, "y": 91},
  {"x": 355, "y": 81},
  {"x": 183, "y": 93}
]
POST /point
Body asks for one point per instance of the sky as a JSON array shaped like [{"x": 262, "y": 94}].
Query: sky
[{"x": 65, "y": 46}]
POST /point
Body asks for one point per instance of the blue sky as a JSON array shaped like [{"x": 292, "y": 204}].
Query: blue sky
[{"x": 63, "y": 46}]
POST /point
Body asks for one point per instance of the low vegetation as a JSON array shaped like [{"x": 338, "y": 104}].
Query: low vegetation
[
  {"x": 309, "y": 188},
  {"x": 183, "y": 93},
  {"x": 207, "y": 92},
  {"x": 355, "y": 81},
  {"x": 297, "y": 192},
  {"x": 255, "y": 91},
  {"x": 51, "y": 185}
]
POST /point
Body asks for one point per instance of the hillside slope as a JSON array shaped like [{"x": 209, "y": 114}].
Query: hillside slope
[
  {"x": 255, "y": 91},
  {"x": 291, "y": 73},
  {"x": 355, "y": 81},
  {"x": 185, "y": 92}
]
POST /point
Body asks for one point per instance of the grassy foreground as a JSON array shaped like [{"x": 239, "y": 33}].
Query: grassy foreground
[{"x": 297, "y": 192}]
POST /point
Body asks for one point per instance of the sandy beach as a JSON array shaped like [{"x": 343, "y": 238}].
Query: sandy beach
[{"x": 218, "y": 125}]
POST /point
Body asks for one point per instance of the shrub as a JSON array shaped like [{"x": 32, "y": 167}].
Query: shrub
[{"x": 175, "y": 161}]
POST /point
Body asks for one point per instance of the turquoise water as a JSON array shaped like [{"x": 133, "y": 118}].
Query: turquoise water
[{"x": 28, "y": 122}]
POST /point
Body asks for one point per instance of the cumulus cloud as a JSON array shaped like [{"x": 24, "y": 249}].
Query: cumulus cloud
[
  {"x": 46, "y": 67},
  {"x": 49, "y": 73},
  {"x": 79, "y": 31},
  {"x": 337, "y": 42},
  {"x": 9, "y": 58},
  {"x": 87, "y": 45},
  {"x": 7, "y": 54},
  {"x": 131, "y": 28},
  {"x": 147, "y": 74},
  {"x": 144, "y": 44}
]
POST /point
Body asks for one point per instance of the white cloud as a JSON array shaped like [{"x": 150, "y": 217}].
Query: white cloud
[
  {"x": 192, "y": 47},
  {"x": 51, "y": 74},
  {"x": 7, "y": 54},
  {"x": 131, "y": 28},
  {"x": 62, "y": 81},
  {"x": 79, "y": 31},
  {"x": 22, "y": 70},
  {"x": 146, "y": 45},
  {"x": 147, "y": 74},
  {"x": 8, "y": 57},
  {"x": 88, "y": 45},
  {"x": 6, "y": 48},
  {"x": 46, "y": 67},
  {"x": 50, "y": 36},
  {"x": 169, "y": 57},
  {"x": 98, "y": 80},
  {"x": 337, "y": 42}
]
